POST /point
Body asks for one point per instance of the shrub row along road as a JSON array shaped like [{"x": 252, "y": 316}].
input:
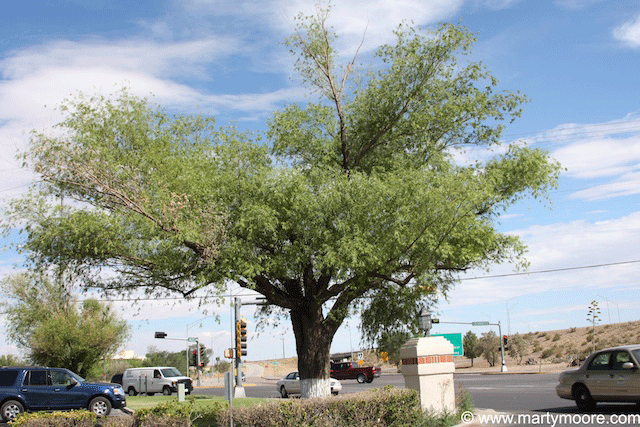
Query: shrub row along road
[{"x": 532, "y": 394}]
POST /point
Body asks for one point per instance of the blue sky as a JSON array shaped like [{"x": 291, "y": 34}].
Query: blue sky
[{"x": 577, "y": 61}]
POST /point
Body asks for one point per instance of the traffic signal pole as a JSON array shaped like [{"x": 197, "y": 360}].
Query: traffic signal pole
[{"x": 239, "y": 389}]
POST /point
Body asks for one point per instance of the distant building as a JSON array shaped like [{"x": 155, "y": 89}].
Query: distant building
[{"x": 127, "y": 354}]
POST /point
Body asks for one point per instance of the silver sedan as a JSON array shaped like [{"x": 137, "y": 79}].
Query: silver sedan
[
  {"x": 609, "y": 375},
  {"x": 291, "y": 385}
]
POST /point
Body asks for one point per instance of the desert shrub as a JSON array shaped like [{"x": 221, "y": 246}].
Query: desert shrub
[
  {"x": 572, "y": 330},
  {"x": 537, "y": 347},
  {"x": 80, "y": 418},
  {"x": 175, "y": 414},
  {"x": 549, "y": 352},
  {"x": 556, "y": 337}
]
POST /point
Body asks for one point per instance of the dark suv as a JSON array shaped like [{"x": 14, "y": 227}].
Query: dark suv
[{"x": 35, "y": 388}]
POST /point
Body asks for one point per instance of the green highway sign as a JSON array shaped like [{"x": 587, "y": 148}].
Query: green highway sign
[{"x": 456, "y": 340}]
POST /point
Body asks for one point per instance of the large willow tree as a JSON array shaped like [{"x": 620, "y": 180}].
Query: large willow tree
[{"x": 356, "y": 203}]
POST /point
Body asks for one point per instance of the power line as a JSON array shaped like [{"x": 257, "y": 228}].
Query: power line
[
  {"x": 554, "y": 270},
  {"x": 495, "y": 276}
]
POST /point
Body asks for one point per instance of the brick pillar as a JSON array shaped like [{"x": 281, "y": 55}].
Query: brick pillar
[{"x": 427, "y": 366}]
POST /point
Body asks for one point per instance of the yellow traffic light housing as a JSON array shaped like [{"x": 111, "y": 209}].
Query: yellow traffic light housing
[{"x": 241, "y": 338}]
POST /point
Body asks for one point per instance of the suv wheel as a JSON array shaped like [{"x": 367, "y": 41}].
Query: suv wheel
[
  {"x": 166, "y": 390},
  {"x": 132, "y": 391},
  {"x": 283, "y": 392},
  {"x": 100, "y": 406},
  {"x": 11, "y": 409}
]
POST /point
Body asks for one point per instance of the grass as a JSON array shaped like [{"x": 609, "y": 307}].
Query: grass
[{"x": 140, "y": 402}]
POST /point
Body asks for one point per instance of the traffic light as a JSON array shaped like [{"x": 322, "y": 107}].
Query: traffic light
[
  {"x": 505, "y": 341},
  {"x": 194, "y": 358},
  {"x": 241, "y": 338},
  {"x": 202, "y": 351}
]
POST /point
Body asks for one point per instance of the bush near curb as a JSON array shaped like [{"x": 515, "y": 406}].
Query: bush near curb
[
  {"x": 388, "y": 406},
  {"x": 382, "y": 407},
  {"x": 80, "y": 418}
]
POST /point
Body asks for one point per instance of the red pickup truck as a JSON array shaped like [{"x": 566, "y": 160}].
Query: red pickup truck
[{"x": 353, "y": 371}]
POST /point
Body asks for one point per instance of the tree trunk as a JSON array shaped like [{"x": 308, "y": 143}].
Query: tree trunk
[{"x": 313, "y": 343}]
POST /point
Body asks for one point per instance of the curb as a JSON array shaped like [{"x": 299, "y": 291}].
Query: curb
[{"x": 127, "y": 410}]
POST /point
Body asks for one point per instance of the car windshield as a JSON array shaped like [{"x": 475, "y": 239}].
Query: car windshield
[
  {"x": 171, "y": 372},
  {"x": 636, "y": 354}
]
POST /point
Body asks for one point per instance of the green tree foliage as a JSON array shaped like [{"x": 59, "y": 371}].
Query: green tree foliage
[
  {"x": 10, "y": 360},
  {"x": 178, "y": 359},
  {"x": 489, "y": 346},
  {"x": 390, "y": 343},
  {"x": 470, "y": 346},
  {"x": 360, "y": 202},
  {"x": 43, "y": 319},
  {"x": 222, "y": 366},
  {"x": 155, "y": 357}
]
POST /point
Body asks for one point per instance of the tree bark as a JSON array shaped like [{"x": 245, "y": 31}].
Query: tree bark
[{"x": 313, "y": 343}]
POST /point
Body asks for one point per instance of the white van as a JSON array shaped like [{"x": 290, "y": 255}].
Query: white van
[{"x": 156, "y": 379}]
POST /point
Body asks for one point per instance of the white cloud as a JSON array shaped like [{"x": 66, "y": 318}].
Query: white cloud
[
  {"x": 604, "y": 151},
  {"x": 561, "y": 246},
  {"x": 351, "y": 19},
  {"x": 627, "y": 184},
  {"x": 601, "y": 157},
  {"x": 141, "y": 56},
  {"x": 629, "y": 33}
]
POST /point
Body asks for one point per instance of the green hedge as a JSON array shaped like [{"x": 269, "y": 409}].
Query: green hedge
[
  {"x": 388, "y": 406},
  {"x": 376, "y": 407}
]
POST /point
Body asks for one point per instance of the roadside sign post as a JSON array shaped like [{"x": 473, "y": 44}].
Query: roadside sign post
[
  {"x": 228, "y": 394},
  {"x": 181, "y": 392}
]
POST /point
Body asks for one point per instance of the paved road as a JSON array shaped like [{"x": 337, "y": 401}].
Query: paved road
[
  {"x": 533, "y": 401},
  {"x": 266, "y": 388}
]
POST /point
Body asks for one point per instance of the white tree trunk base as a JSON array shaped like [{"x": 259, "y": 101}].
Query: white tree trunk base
[{"x": 315, "y": 387}]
